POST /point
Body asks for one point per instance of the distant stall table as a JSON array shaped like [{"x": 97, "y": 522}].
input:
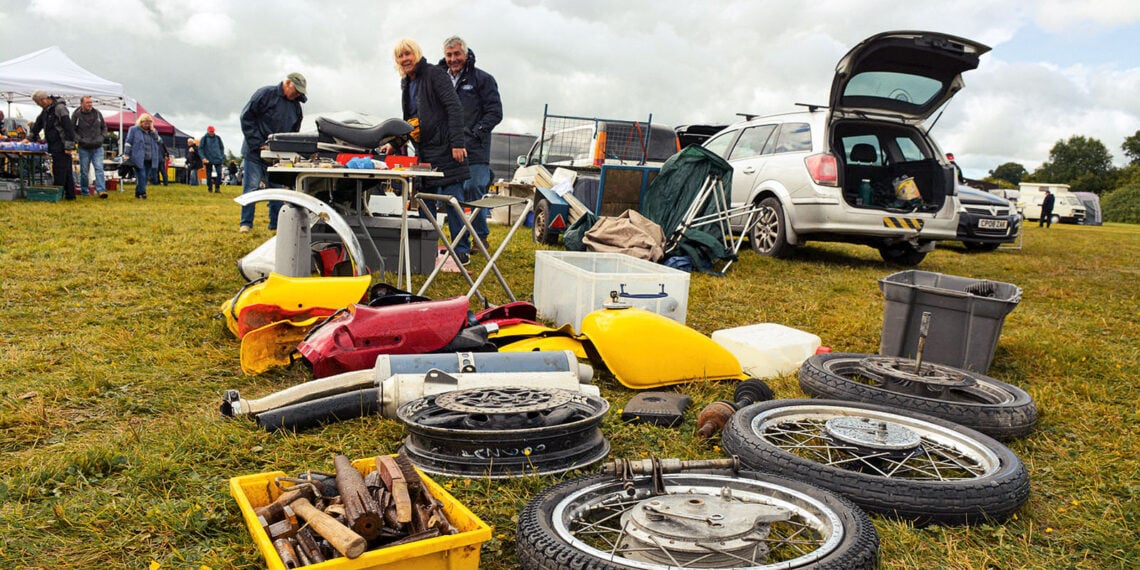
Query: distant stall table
[
  {"x": 327, "y": 185},
  {"x": 29, "y": 166}
]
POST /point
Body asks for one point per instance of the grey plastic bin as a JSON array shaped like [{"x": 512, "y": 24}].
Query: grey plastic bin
[{"x": 966, "y": 317}]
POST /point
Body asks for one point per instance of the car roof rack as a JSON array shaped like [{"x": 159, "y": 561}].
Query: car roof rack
[{"x": 812, "y": 107}]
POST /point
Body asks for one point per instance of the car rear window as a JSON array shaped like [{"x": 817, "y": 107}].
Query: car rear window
[
  {"x": 720, "y": 143},
  {"x": 913, "y": 89},
  {"x": 793, "y": 137}
]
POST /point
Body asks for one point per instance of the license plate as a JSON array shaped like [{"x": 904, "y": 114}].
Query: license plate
[{"x": 993, "y": 224}]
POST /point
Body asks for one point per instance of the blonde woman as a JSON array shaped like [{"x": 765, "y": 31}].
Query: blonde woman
[{"x": 143, "y": 149}]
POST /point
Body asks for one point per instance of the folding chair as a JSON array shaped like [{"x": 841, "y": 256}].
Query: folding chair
[
  {"x": 477, "y": 207},
  {"x": 713, "y": 189}
]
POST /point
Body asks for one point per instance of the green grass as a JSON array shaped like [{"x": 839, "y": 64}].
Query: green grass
[{"x": 112, "y": 363}]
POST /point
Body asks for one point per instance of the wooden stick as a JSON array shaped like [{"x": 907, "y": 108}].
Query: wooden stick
[{"x": 342, "y": 538}]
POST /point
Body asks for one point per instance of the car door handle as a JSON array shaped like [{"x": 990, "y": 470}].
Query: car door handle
[{"x": 749, "y": 170}]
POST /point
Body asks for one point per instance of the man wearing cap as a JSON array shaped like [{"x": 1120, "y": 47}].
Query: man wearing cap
[
  {"x": 59, "y": 131},
  {"x": 272, "y": 109},
  {"x": 213, "y": 153}
]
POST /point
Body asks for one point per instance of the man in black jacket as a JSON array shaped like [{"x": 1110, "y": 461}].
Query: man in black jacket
[
  {"x": 482, "y": 111},
  {"x": 271, "y": 109},
  {"x": 1047, "y": 210},
  {"x": 59, "y": 132}
]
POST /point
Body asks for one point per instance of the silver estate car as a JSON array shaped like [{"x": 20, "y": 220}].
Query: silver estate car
[{"x": 835, "y": 173}]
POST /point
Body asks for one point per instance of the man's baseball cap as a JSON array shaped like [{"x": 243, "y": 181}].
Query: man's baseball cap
[
  {"x": 298, "y": 81},
  {"x": 210, "y": 129}
]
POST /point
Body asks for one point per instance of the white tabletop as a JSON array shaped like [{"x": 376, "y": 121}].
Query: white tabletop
[{"x": 355, "y": 172}]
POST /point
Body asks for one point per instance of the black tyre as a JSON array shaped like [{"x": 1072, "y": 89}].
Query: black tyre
[
  {"x": 701, "y": 521},
  {"x": 913, "y": 466},
  {"x": 974, "y": 400},
  {"x": 980, "y": 246},
  {"x": 902, "y": 254},
  {"x": 1055, "y": 219},
  {"x": 769, "y": 235},
  {"x": 541, "y": 225}
]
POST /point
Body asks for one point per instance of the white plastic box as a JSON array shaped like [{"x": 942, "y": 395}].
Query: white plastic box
[
  {"x": 768, "y": 350},
  {"x": 568, "y": 285}
]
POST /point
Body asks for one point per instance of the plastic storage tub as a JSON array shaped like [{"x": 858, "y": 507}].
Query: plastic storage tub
[
  {"x": 966, "y": 317},
  {"x": 385, "y": 232},
  {"x": 568, "y": 285},
  {"x": 44, "y": 193},
  {"x": 767, "y": 350},
  {"x": 452, "y": 552},
  {"x": 10, "y": 190}
]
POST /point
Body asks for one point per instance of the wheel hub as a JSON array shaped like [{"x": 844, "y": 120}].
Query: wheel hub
[
  {"x": 902, "y": 369},
  {"x": 510, "y": 400},
  {"x": 872, "y": 434},
  {"x": 675, "y": 528}
]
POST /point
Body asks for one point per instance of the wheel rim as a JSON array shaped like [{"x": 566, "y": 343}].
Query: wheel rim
[
  {"x": 603, "y": 520},
  {"x": 767, "y": 229},
  {"x": 540, "y": 222},
  {"x": 941, "y": 453},
  {"x": 504, "y": 432},
  {"x": 931, "y": 381}
]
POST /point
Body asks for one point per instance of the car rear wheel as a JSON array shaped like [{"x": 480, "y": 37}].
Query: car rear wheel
[
  {"x": 769, "y": 236},
  {"x": 902, "y": 254}
]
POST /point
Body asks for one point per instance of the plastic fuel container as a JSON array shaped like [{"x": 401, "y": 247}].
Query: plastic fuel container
[{"x": 767, "y": 350}]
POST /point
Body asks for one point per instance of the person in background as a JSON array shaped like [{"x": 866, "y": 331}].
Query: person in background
[
  {"x": 143, "y": 149},
  {"x": 482, "y": 111},
  {"x": 214, "y": 156},
  {"x": 59, "y": 132},
  {"x": 1047, "y": 210},
  {"x": 89, "y": 132},
  {"x": 271, "y": 109},
  {"x": 161, "y": 174},
  {"x": 232, "y": 170},
  {"x": 193, "y": 162},
  {"x": 429, "y": 101}
]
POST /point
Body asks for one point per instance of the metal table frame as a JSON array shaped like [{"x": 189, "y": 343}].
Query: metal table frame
[{"x": 403, "y": 179}]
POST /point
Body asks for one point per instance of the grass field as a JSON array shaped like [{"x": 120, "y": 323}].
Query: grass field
[{"x": 113, "y": 361}]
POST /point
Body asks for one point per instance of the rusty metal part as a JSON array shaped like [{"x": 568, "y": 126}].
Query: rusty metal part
[
  {"x": 308, "y": 548},
  {"x": 361, "y": 511},
  {"x": 284, "y": 548},
  {"x": 712, "y": 419}
]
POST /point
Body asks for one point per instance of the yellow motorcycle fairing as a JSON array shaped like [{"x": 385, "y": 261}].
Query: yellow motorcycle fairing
[
  {"x": 280, "y": 298},
  {"x": 273, "y": 344},
  {"x": 645, "y": 350},
  {"x": 528, "y": 337}
]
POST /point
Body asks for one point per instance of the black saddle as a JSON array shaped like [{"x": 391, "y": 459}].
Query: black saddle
[{"x": 390, "y": 131}]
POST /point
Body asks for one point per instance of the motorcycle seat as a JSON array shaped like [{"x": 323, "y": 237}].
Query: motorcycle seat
[{"x": 369, "y": 137}]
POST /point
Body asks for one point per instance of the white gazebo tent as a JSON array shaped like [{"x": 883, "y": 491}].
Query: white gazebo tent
[{"x": 51, "y": 70}]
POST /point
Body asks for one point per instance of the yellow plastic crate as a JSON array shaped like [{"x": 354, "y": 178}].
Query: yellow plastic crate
[{"x": 453, "y": 552}]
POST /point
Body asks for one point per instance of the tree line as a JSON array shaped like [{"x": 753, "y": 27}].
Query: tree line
[{"x": 1086, "y": 166}]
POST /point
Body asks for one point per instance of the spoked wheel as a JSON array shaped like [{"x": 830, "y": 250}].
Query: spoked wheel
[
  {"x": 699, "y": 521},
  {"x": 974, "y": 400},
  {"x": 914, "y": 466}
]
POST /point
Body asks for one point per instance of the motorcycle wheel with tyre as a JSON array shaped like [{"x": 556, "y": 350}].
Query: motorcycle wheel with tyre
[
  {"x": 700, "y": 520},
  {"x": 974, "y": 400},
  {"x": 912, "y": 466}
]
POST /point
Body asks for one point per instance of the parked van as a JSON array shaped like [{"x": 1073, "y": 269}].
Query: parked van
[{"x": 1067, "y": 207}]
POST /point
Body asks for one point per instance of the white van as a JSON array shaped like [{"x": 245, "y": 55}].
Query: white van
[{"x": 1067, "y": 207}]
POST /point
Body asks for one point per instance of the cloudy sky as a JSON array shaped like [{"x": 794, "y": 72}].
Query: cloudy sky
[{"x": 1058, "y": 67}]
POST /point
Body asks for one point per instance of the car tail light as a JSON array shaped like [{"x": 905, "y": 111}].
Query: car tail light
[{"x": 823, "y": 169}]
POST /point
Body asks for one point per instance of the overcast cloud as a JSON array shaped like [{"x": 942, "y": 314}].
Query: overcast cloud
[{"x": 1058, "y": 68}]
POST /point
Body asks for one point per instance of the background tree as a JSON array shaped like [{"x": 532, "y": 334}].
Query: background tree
[
  {"x": 1011, "y": 172},
  {"x": 1131, "y": 148},
  {"x": 1081, "y": 162}
]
